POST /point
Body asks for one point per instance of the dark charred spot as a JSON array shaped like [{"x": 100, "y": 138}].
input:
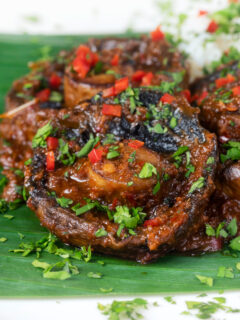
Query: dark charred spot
[{"x": 51, "y": 105}]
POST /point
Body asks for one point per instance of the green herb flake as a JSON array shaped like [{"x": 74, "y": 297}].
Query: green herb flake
[
  {"x": 8, "y": 216},
  {"x": 205, "y": 280},
  {"x": 235, "y": 244},
  {"x": 3, "y": 239},
  {"x": 170, "y": 300},
  {"x": 39, "y": 139},
  {"x": 95, "y": 275},
  {"x": 173, "y": 122},
  {"x": 105, "y": 290},
  {"x": 80, "y": 210},
  {"x": 64, "y": 202},
  {"x": 101, "y": 233},
  {"x": 28, "y": 162},
  {"x": 113, "y": 153},
  {"x": 123, "y": 309},
  {"x": 210, "y": 231},
  {"x": 132, "y": 157},
  {"x": 147, "y": 171},
  {"x": 224, "y": 272},
  {"x": 87, "y": 147},
  {"x": 197, "y": 185},
  {"x": 232, "y": 227}
]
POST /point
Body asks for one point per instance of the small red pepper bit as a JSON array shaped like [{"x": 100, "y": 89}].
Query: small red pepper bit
[
  {"x": 95, "y": 155},
  {"x": 236, "y": 91},
  {"x": 157, "y": 34},
  {"x": 52, "y": 143},
  {"x": 112, "y": 110},
  {"x": 50, "y": 161},
  {"x": 212, "y": 27},
  {"x": 55, "y": 81},
  {"x": 85, "y": 59},
  {"x": 43, "y": 95},
  {"x": 109, "y": 92},
  {"x": 138, "y": 75},
  {"x": 153, "y": 223},
  {"x": 167, "y": 98},
  {"x": 147, "y": 79},
  {"x": 115, "y": 60},
  {"x": 203, "y": 96},
  {"x": 81, "y": 67},
  {"x": 121, "y": 85},
  {"x": 202, "y": 12},
  {"x": 223, "y": 81},
  {"x": 187, "y": 94},
  {"x": 135, "y": 144}
]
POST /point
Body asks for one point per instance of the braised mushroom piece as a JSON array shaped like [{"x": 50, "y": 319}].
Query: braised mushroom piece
[{"x": 128, "y": 174}]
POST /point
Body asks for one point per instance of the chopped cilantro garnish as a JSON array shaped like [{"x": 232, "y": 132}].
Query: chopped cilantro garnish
[
  {"x": 56, "y": 96},
  {"x": 101, "y": 233},
  {"x": 113, "y": 153},
  {"x": 128, "y": 218},
  {"x": 173, "y": 122},
  {"x": 156, "y": 188},
  {"x": 147, "y": 171},
  {"x": 210, "y": 160},
  {"x": 224, "y": 272},
  {"x": 109, "y": 139},
  {"x": 123, "y": 309},
  {"x": 87, "y": 147},
  {"x": 95, "y": 275},
  {"x": 170, "y": 300},
  {"x": 80, "y": 210},
  {"x": 197, "y": 185},
  {"x": 39, "y": 139},
  {"x": 235, "y": 244},
  {"x": 205, "y": 280},
  {"x": 27, "y": 162},
  {"x": 3, "y": 239},
  {"x": 64, "y": 202},
  {"x": 64, "y": 154},
  {"x": 132, "y": 157},
  {"x": 233, "y": 151}
]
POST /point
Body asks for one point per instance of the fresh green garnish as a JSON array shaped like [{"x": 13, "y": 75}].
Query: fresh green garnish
[
  {"x": 156, "y": 187},
  {"x": 3, "y": 239},
  {"x": 80, "y": 210},
  {"x": 210, "y": 160},
  {"x": 123, "y": 309},
  {"x": 27, "y": 162},
  {"x": 197, "y": 185},
  {"x": 235, "y": 244},
  {"x": 205, "y": 280},
  {"x": 109, "y": 139},
  {"x": 173, "y": 122},
  {"x": 132, "y": 157},
  {"x": 128, "y": 218},
  {"x": 233, "y": 151},
  {"x": 95, "y": 275},
  {"x": 64, "y": 202},
  {"x": 158, "y": 129},
  {"x": 170, "y": 300},
  {"x": 87, "y": 147},
  {"x": 101, "y": 233},
  {"x": 147, "y": 171},
  {"x": 59, "y": 271},
  {"x": 113, "y": 153},
  {"x": 64, "y": 154},
  {"x": 40, "y": 137},
  {"x": 224, "y": 272},
  {"x": 106, "y": 290},
  {"x": 56, "y": 96}
]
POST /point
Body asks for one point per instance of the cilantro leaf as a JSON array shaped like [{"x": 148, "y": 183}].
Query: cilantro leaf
[
  {"x": 40, "y": 137},
  {"x": 147, "y": 171}
]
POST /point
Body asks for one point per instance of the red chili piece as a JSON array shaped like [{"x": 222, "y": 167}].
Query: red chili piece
[
  {"x": 147, "y": 79},
  {"x": 135, "y": 144},
  {"x": 119, "y": 86},
  {"x": 138, "y": 75},
  {"x": 52, "y": 143},
  {"x": 85, "y": 59},
  {"x": 55, "y": 81},
  {"x": 224, "y": 81},
  {"x": 50, "y": 161},
  {"x": 157, "y": 34},
  {"x": 112, "y": 110},
  {"x": 43, "y": 95},
  {"x": 167, "y": 98},
  {"x": 115, "y": 60},
  {"x": 236, "y": 91},
  {"x": 212, "y": 27},
  {"x": 153, "y": 223},
  {"x": 95, "y": 155}
]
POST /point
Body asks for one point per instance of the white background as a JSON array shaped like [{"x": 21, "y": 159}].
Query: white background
[{"x": 92, "y": 17}]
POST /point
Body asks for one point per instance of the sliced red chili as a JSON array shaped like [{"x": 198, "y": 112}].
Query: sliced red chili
[
  {"x": 115, "y": 60},
  {"x": 112, "y": 110},
  {"x": 212, "y": 27},
  {"x": 109, "y": 92},
  {"x": 135, "y": 144},
  {"x": 43, "y": 95},
  {"x": 203, "y": 96},
  {"x": 224, "y": 81},
  {"x": 147, "y": 79},
  {"x": 50, "y": 161},
  {"x": 121, "y": 85},
  {"x": 138, "y": 75},
  {"x": 157, "y": 34},
  {"x": 153, "y": 222},
  {"x": 167, "y": 98},
  {"x": 187, "y": 94},
  {"x": 236, "y": 91},
  {"x": 81, "y": 67},
  {"x": 202, "y": 12},
  {"x": 55, "y": 81},
  {"x": 52, "y": 143},
  {"x": 95, "y": 155}
]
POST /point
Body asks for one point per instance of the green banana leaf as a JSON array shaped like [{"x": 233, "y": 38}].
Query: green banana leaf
[{"x": 18, "y": 278}]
